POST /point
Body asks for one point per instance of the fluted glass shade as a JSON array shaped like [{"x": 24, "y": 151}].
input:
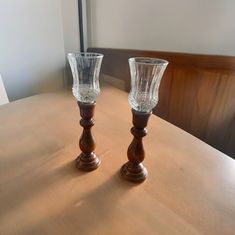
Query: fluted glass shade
[
  {"x": 85, "y": 69},
  {"x": 146, "y": 75}
]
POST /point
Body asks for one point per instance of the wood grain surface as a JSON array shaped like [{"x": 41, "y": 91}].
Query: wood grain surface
[
  {"x": 197, "y": 92},
  {"x": 190, "y": 188}
]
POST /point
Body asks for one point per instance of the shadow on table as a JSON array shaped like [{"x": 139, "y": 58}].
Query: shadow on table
[
  {"x": 41, "y": 180},
  {"x": 86, "y": 214}
]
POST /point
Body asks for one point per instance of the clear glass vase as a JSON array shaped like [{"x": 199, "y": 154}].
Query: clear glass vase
[
  {"x": 146, "y": 75},
  {"x": 85, "y": 69}
]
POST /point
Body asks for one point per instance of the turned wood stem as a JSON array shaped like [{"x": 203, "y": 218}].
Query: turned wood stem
[
  {"x": 87, "y": 160},
  {"x": 134, "y": 170}
]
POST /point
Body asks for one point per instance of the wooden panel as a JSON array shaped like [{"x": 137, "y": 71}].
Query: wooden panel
[{"x": 197, "y": 92}]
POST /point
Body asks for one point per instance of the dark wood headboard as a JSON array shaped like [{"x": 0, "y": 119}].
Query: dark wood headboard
[{"x": 197, "y": 92}]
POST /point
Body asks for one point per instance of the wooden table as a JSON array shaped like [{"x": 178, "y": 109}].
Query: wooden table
[{"x": 190, "y": 188}]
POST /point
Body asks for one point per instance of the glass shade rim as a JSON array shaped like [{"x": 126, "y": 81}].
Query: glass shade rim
[
  {"x": 92, "y": 55},
  {"x": 148, "y": 61}
]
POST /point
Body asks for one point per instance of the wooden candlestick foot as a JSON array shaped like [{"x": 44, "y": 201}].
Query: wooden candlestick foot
[
  {"x": 87, "y": 162},
  {"x": 134, "y": 173}
]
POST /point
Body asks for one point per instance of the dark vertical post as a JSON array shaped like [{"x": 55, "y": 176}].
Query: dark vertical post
[{"x": 81, "y": 30}]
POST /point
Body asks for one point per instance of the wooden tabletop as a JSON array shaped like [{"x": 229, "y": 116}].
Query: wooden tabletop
[{"x": 190, "y": 188}]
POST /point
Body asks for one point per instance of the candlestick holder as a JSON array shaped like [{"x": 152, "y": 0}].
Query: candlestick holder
[
  {"x": 146, "y": 75},
  {"x": 85, "y": 69}
]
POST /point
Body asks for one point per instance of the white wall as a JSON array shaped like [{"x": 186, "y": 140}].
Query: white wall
[
  {"x": 194, "y": 26},
  {"x": 32, "y": 45},
  {"x": 70, "y": 25},
  {"x": 70, "y": 33}
]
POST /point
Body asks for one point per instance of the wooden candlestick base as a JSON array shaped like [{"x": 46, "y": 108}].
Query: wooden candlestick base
[
  {"x": 134, "y": 173},
  {"x": 134, "y": 170},
  {"x": 87, "y": 160}
]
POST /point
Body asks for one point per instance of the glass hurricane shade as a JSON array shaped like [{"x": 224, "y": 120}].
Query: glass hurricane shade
[
  {"x": 146, "y": 75},
  {"x": 85, "y": 69}
]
